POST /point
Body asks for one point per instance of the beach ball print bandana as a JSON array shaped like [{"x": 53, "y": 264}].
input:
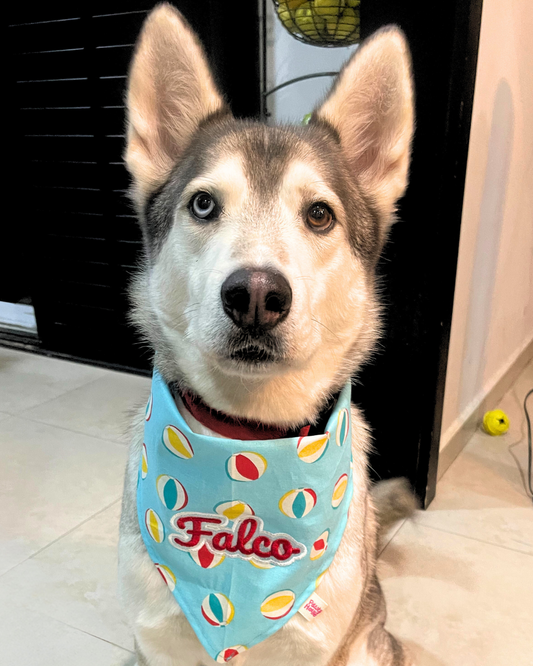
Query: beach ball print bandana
[{"x": 241, "y": 531}]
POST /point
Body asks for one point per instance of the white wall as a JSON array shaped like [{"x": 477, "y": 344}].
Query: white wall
[
  {"x": 287, "y": 59},
  {"x": 493, "y": 308}
]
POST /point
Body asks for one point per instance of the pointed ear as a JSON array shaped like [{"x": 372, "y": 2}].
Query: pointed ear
[
  {"x": 170, "y": 92},
  {"x": 371, "y": 108}
]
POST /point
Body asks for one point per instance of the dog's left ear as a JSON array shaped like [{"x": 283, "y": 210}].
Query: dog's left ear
[{"x": 371, "y": 108}]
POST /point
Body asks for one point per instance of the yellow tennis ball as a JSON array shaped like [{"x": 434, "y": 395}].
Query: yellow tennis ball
[{"x": 496, "y": 422}]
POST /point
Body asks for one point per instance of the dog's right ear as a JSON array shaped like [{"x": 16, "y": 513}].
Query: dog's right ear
[
  {"x": 371, "y": 108},
  {"x": 170, "y": 92}
]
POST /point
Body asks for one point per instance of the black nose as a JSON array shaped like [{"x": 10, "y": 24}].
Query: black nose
[{"x": 256, "y": 300}]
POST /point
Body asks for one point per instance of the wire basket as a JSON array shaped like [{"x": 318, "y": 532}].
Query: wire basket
[{"x": 321, "y": 22}]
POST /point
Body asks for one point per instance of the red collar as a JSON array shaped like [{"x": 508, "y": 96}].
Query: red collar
[{"x": 233, "y": 428}]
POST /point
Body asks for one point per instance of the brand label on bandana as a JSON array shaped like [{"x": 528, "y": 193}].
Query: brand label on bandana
[
  {"x": 242, "y": 532},
  {"x": 313, "y": 607}
]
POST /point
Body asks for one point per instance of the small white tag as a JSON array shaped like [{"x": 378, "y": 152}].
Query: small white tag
[{"x": 313, "y": 607}]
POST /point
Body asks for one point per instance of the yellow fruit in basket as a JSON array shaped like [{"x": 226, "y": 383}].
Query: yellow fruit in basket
[
  {"x": 303, "y": 10},
  {"x": 349, "y": 19},
  {"x": 353, "y": 3},
  {"x": 309, "y": 23},
  {"x": 328, "y": 7},
  {"x": 287, "y": 8},
  {"x": 286, "y": 19},
  {"x": 349, "y": 35},
  {"x": 347, "y": 23},
  {"x": 332, "y": 27}
]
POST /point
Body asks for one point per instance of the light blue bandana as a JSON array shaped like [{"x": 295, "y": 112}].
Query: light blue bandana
[{"x": 241, "y": 531}]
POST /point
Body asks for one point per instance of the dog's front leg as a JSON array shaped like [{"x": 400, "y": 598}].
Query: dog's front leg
[
  {"x": 375, "y": 646},
  {"x": 169, "y": 643},
  {"x": 379, "y": 649}
]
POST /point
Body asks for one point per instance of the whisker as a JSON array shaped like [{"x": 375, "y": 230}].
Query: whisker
[
  {"x": 327, "y": 329},
  {"x": 187, "y": 311},
  {"x": 211, "y": 270}
]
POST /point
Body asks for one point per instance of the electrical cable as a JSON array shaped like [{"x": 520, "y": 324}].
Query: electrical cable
[
  {"x": 529, "y": 447},
  {"x": 525, "y": 476}
]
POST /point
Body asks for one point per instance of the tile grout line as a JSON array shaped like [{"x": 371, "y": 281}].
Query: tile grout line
[
  {"x": 88, "y": 633},
  {"x": 396, "y": 530},
  {"x": 74, "y": 628},
  {"x": 72, "y": 529},
  {"x": 61, "y": 395},
  {"x": 74, "y": 432},
  {"x": 75, "y": 388},
  {"x": 405, "y": 521},
  {"x": 470, "y": 538}
]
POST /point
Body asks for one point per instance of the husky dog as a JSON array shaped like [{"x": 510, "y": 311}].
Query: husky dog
[{"x": 258, "y": 296}]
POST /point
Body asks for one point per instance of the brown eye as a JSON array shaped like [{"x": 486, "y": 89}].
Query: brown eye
[{"x": 320, "y": 217}]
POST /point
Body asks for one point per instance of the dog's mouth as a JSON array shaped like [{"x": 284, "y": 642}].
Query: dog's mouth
[
  {"x": 253, "y": 354},
  {"x": 249, "y": 353}
]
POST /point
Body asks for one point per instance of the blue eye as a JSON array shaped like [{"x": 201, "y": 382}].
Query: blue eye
[{"x": 203, "y": 206}]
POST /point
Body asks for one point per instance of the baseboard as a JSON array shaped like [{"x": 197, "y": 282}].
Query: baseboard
[{"x": 460, "y": 438}]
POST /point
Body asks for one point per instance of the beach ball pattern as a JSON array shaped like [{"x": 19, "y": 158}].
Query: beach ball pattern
[
  {"x": 218, "y": 610},
  {"x": 320, "y": 546},
  {"x": 144, "y": 462},
  {"x": 246, "y": 466},
  {"x": 154, "y": 526},
  {"x": 205, "y": 558},
  {"x": 228, "y": 653},
  {"x": 177, "y": 443},
  {"x": 311, "y": 449},
  {"x": 297, "y": 503},
  {"x": 167, "y": 576},
  {"x": 171, "y": 492},
  {"x": 278, "y": 605},
  {"x": 339, "y": 490},
  {"x": 148, "y": 412},
  {"x": 234, "y": 509},
  {"x": 261, "y": 565},
  {"x": 343, "y": 427}
]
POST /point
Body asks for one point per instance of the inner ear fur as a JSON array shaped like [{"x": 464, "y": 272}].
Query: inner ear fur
[
  {"x": 371, "y": 108},
  {"x": 170, "y": 92}
]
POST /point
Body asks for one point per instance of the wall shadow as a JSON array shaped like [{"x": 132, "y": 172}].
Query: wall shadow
[{"x": 487, "y": 246}]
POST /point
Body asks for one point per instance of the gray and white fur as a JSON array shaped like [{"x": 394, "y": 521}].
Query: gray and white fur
[{"x": 299, "y": 217}]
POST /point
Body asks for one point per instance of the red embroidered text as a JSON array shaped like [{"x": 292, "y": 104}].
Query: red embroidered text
[{"x": 245, "y": 539}]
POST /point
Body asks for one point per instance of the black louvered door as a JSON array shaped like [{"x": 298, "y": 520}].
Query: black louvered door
[{"x": 71, "y": 233}]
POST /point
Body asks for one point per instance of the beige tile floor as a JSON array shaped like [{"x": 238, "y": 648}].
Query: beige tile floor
[{"x": 458, "y": 578}]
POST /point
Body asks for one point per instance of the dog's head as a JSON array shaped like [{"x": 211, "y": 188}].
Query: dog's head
[{"x": 261, "y": 242}]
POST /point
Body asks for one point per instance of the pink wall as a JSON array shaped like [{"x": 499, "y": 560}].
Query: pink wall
[{"x": 493, "y": 309}]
